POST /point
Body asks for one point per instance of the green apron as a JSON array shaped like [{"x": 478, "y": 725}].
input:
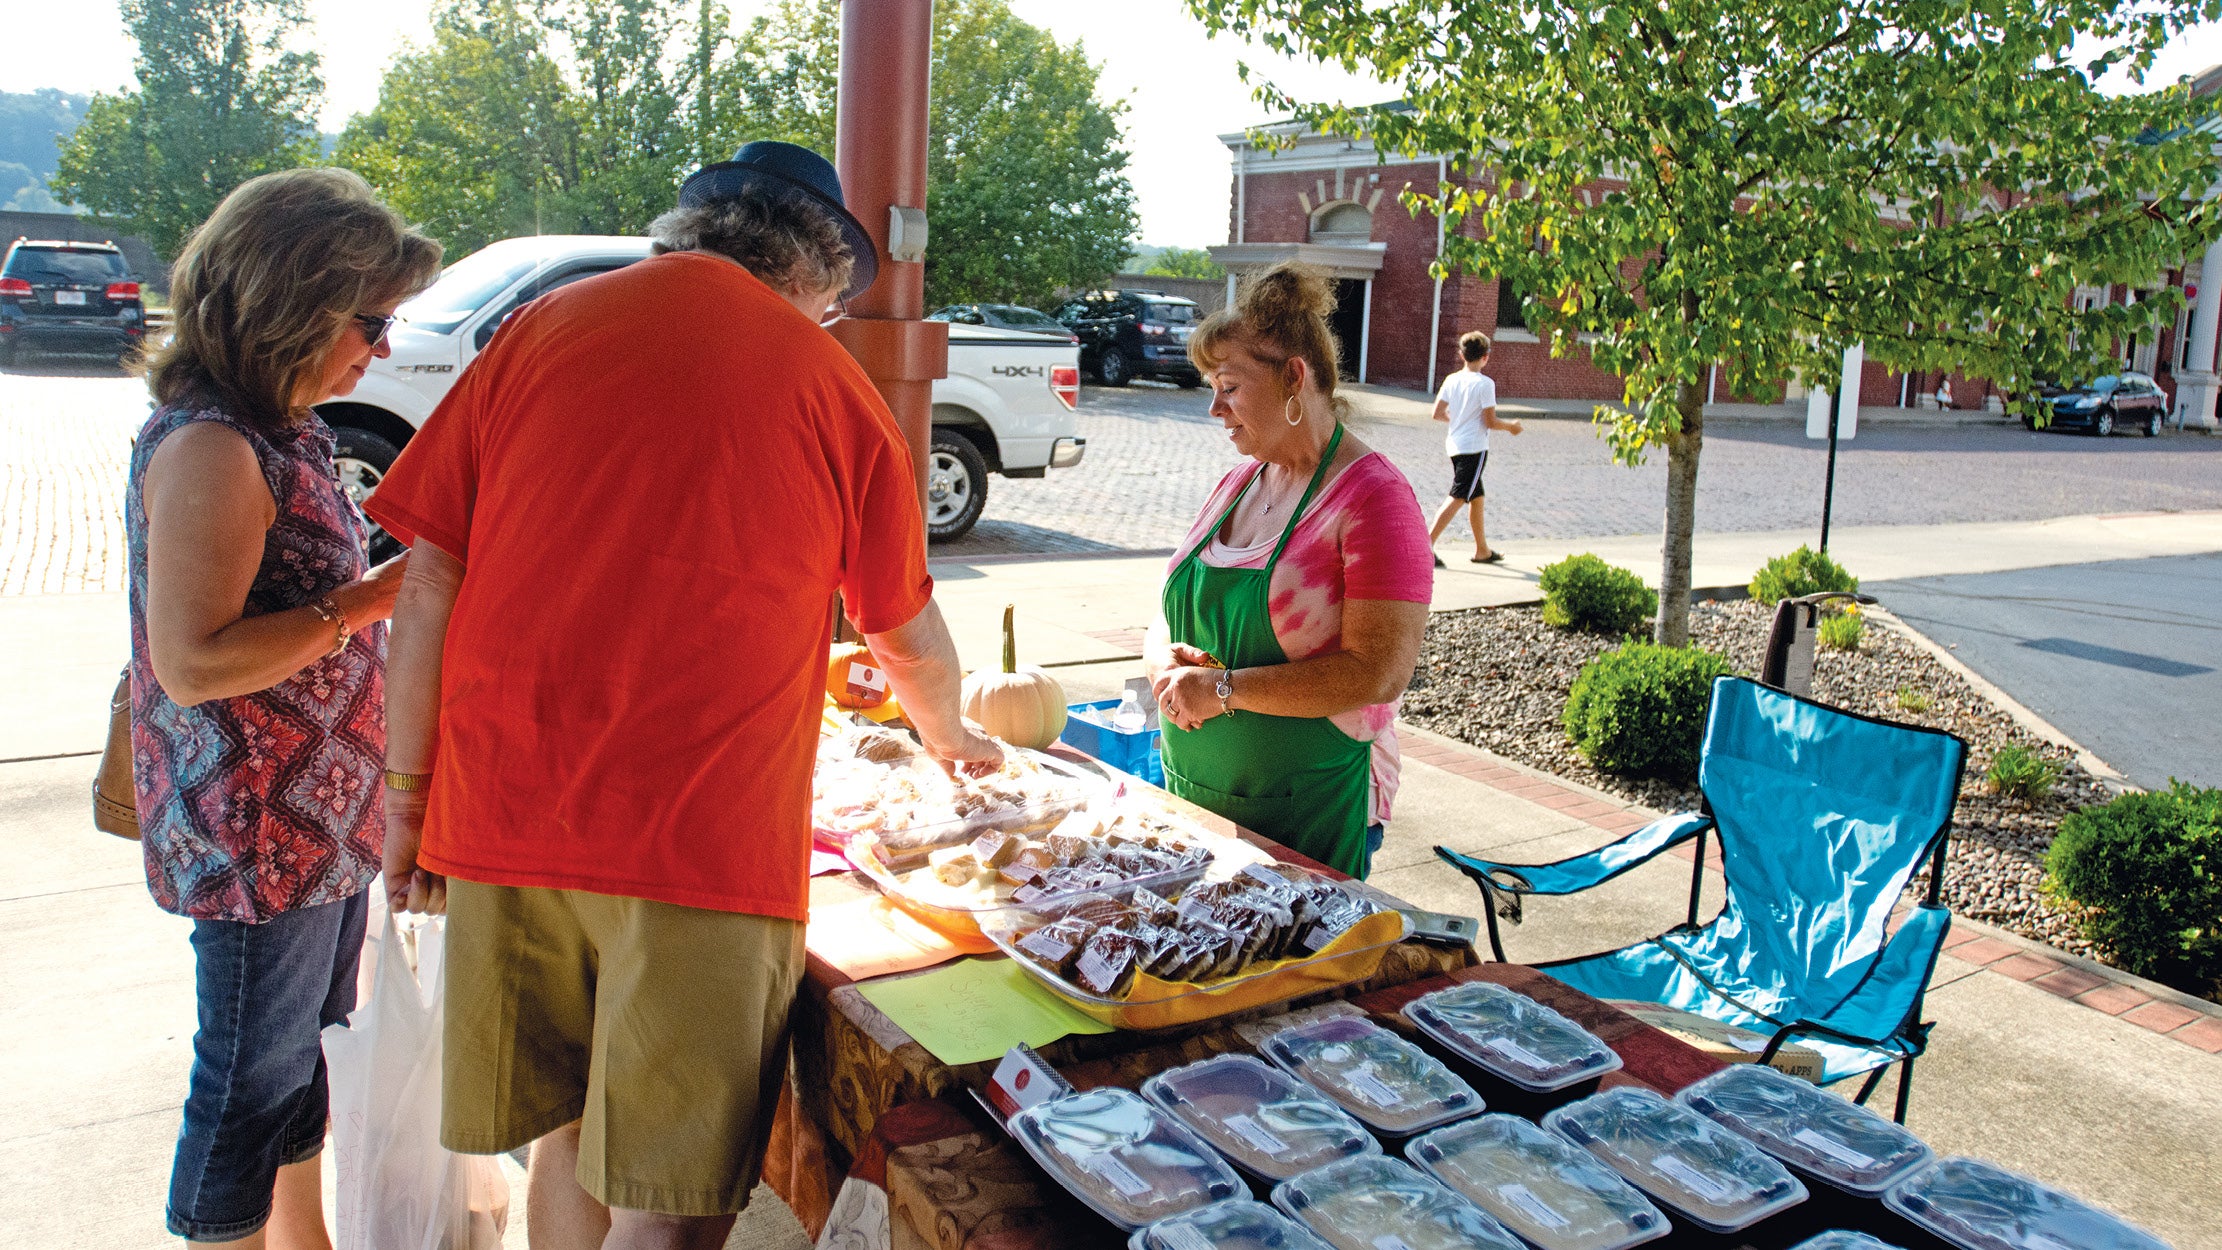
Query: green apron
[{"x": 1298, "y": 780}]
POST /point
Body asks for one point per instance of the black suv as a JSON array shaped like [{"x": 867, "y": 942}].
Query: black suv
[
  {"x": 75, "y": 298},
  {"x": 1128, "y": 334}
]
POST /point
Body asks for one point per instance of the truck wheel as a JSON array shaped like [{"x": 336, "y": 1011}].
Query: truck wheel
[
  {"x": 1187, "y": 381},
  {"x": 2152, "y": 425},
  {"x": 1113, "y": 368},
  {"x": 956, "y": 486},
  {"x": 361, "y": 459}
]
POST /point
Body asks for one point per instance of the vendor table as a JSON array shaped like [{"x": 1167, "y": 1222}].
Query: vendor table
[
  {"x": 852, "y": 1064},
  {"x": 955, "y": 1181}
]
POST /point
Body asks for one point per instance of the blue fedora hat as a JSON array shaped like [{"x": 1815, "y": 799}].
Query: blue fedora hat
[{"x": 797, "y": 168}]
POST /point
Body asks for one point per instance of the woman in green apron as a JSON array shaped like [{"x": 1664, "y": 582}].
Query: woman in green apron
[{"x": 1292, "y": 616}]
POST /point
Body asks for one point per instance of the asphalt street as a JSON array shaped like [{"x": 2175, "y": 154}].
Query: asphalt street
[{"x": 2124, "y": 657}]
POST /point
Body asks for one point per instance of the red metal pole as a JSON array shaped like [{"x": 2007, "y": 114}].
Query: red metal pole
[{"x": 880, "y": 151}]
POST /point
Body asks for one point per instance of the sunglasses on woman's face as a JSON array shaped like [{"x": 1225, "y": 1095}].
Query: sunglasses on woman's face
[{"x": 374, "y": 328}]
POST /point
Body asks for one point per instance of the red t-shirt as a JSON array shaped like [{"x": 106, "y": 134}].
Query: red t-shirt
[{"x": 656, "y": 480}]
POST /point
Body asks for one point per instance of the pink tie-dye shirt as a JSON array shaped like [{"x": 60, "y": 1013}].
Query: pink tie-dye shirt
[{"x": 1361, "y": 537}]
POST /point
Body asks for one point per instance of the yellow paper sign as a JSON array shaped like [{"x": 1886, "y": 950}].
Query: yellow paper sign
[{"x": 975, "y": 1009}]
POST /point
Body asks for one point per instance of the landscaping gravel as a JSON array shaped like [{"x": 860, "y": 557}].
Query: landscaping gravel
[{"x": 1498, "y": 678}]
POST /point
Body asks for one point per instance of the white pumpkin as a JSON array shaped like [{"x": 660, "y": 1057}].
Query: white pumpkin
[{"x": 1023, "y": 706}]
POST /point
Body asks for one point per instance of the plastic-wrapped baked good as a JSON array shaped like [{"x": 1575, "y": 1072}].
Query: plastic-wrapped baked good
[
  {"x": 1718, "y": 1180},
  {"x": 1270, "y": 1124},
  {"x": 1843, "y": 1239},
  {"x": 1129, "y": 1161},
  {"x": 1979, "y": 1206},
  {"x": 1238, "y": 1224},
  {"x": 1832, "y": 1139},
  {"x": 1374, "y": 1203},
  {"x": 1385, "y": 1081},
  {"x": 1512, "y": 1036},
  {"x": 1555, "y": 1195}
]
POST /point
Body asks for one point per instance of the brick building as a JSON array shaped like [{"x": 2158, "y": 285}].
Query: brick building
[{"x": 1333, "y": 202}]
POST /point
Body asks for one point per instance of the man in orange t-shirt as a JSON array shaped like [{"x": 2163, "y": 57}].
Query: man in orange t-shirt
[{"x": 628, "y": 521}]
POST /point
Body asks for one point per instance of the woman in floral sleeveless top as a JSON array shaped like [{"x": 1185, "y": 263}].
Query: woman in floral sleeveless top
[{"x": 258, "y": 652}]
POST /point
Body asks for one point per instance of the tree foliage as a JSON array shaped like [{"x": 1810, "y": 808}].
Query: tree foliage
[
  {"x": 1692, "y": 183},
  {"x": 1184, "y": 262},
  {"x": 222, "y": 96}
]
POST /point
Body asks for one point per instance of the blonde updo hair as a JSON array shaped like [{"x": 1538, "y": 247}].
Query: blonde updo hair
[
  {"x": 274, "y": 275},
  {"x": 1278, "y": 316}
]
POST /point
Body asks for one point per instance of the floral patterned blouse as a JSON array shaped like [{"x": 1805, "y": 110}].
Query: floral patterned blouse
[{"x": 268, "y": 802}]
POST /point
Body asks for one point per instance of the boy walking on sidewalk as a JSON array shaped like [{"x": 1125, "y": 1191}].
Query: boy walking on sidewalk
[{"x": 1468, "y": 402}]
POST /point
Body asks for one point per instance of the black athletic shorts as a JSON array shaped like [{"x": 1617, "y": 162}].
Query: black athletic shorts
[{"x": 1465, "y": 475}]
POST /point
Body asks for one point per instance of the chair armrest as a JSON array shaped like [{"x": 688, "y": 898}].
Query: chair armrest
[{"x": 1580, "y": 872}]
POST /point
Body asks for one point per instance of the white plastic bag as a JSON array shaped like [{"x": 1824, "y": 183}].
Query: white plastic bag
[{"x": 398, "y": 1189}]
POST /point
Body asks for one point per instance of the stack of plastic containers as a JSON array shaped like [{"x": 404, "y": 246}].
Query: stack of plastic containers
[
  {"x": 1972, "y": 1205},
  {"x": 1269, "y": 1124},
  {"x": 1376, "y": 1203},
  {"x": 1392, "y": 1086},
  {"x": 1512, "y": 1037},
  {"x": 1843, "y": 1239},
  {"x": 1820, "y": 1135},
  {"x": 1239, "y": 1224},
  {"x": 1550, "y": 1193},
  {"x": 1710, "y": 1176},
  {"x": 1129, "y": 1161}
]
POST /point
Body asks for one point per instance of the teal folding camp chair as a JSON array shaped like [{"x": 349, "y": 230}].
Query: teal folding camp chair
[{"x": 1824, "y": 816}]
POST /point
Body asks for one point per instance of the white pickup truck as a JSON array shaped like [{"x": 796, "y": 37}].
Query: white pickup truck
[{"x": 1009, "y": 405}]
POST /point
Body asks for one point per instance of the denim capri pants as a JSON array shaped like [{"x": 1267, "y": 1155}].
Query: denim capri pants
[{"x": 258, "y": 1100}]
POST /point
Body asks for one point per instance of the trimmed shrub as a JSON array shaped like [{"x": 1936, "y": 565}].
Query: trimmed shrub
[
  {"x": 1640, "y": 709},
  {"x": 1842, "y": 631},
  {"x": 2020, "y": 773},
  {"x": 1584, "y": 592},
  {"x": 1802, "y": 572},
  {"x": 2144, "y": 875}
]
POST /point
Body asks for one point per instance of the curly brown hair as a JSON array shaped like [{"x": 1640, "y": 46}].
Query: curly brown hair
[
  {"x": 1278, "y": 316},
  {"x": 788, "y": 240},
  {"x": 267, "y": 283}
]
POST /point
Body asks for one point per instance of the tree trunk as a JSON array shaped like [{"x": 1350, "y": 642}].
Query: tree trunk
[{"x": 1673, "y": 626}]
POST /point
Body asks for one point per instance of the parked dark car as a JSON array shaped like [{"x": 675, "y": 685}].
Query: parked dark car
[
  {"x": 2118, "y": 401},
  {"x": 77, "y": 299},
  {"x": 1004, "y": 317},
  {"x": 1131, "y": 334}
]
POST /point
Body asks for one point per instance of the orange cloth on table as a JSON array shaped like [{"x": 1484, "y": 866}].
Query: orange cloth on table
[{"x": 656, "y": 480}]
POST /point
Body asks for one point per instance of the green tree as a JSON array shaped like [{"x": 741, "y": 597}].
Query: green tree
[
  {"x": 1184, "y": 262},
  {"x": 1692, "y": 182},
  {"x": 473, "y": 136},
  {"x": 222, "y": 97},
  {"x": 1026, "y": 181},
  {"x": 634, "y": 141}
]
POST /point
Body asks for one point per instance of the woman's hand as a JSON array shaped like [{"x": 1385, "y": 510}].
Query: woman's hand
[
  {"x": 1188, "y": 695},
  {"x": 370, "y": 599},
  {"x": 408, "y": 887}
]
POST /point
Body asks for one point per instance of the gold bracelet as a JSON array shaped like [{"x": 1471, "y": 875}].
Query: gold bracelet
[
  {"x": 407, "y": 781},
  {"x": 329, "y": 611}
]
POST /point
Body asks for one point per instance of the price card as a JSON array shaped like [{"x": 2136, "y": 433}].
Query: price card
[{"x": 1706, "y": 1187}]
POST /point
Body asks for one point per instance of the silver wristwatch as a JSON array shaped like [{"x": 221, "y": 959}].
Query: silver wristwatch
[{"x": 1225, "y": 690}]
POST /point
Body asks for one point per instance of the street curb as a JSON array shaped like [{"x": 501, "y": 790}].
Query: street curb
[
  {"x": 2092, "y": 967},
  {"x": 2108, "y": 775}
]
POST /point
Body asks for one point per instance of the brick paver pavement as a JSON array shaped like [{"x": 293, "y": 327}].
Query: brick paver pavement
[{"x": 1154, "y": 454}]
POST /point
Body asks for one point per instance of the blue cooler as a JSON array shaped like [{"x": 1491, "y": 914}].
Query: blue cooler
[{"x": 1134, "y": 753}]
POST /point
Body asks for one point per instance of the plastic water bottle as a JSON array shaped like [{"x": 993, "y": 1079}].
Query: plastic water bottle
[{"x": 1130, "y": 718}]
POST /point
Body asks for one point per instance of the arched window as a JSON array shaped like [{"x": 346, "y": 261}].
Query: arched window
[{"x": 1342, "y": 223}]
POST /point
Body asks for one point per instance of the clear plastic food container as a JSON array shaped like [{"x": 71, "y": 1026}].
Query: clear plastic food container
[
  {"x": 1239, "y": 1224},
  {"x": 1556, "y": 1196},
  {"x": 1391, "y": 1085},
  {"x": 1843, "y": 1239},
  {"x": 1151, "y": 1003},
  {"x": 1512, "y": 1036},
  {"x": 1130, "y": 1162},
  {"x": 1832, "y": 1139},
  {"x": 911, "y": 806},
  {"x": 1376, "y": 1203},
  {"x": 1270, "y": 1124},
  {"x": 1980, "y": 1206},
  {"x": 1715, "y": 1178}
]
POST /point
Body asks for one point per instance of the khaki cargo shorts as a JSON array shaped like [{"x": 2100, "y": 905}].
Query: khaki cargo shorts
[{"x": 662, "y": 1029}]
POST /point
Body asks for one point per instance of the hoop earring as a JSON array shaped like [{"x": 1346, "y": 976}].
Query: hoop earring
[{"x": 1288, "y": 405}]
